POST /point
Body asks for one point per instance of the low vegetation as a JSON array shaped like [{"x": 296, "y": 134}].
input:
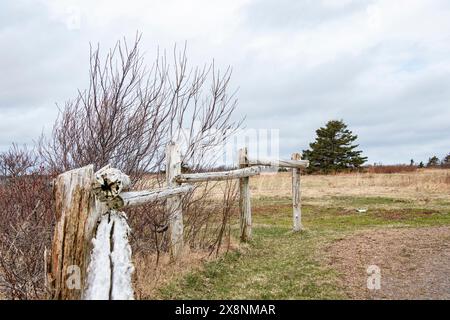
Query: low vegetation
[{"x": 279, "y": 264}]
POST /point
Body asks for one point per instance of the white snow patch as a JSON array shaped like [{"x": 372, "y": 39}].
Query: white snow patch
[
  {"x": 122, "y": 264},
  {"x": 109, "y": 273}
]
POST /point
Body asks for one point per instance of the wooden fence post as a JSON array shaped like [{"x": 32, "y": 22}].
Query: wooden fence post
[
  {"x": 77, "y": 212},
  {"x": 296, "y": 192},
  {"x": 174, "y": 204},
  {"x": 244, "y": 199}
]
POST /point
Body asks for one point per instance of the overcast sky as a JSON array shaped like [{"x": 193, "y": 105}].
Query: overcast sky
[{"x": 382, "y": 66}]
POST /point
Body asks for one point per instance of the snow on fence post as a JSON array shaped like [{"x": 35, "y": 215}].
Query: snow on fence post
[
  {"x": 244, "y": 199},
  {"x": 77, "y": 213},
  {"x": 110, "y": 268},
  {"x": 174, "y": 204},
  {"x": 296, "y": 192}
]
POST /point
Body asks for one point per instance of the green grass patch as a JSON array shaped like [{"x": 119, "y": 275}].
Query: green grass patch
[{"x": 280, "y": 264}]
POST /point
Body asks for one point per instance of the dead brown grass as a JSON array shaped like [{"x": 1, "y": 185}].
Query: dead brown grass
[
  {"x": 425, "y": 182},
  {"x": 434, "y": 183},
  {"x": 150, "y": 274}
]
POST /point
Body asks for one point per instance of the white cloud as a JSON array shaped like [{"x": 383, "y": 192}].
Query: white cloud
[{"x": 383, "y": 66}]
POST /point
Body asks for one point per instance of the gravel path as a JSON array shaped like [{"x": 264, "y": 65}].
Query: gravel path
[{"x": 414, "y": 263}]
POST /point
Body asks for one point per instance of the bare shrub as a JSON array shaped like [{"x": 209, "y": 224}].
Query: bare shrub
[
  {"x": 130, "y": 112},
  {"x": 126, "y": 118},
  {"x": 399, "y": 168},
  {"x": 17, "y": 161},
  {"x": 207, "y": 226},
  {"x": 206, "y": 221},
  {"x": 26, "y": 216}
]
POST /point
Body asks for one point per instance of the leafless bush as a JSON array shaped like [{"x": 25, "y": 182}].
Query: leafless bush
[
  {"x": 128, "y": 115},
  {"x": 130, "y": 112},
  {"x": 17, "y": 161},
  {"x": 399, "y": 168},
  {"x": 26, "y": 216},
  {"x": 207, "y": 220}
]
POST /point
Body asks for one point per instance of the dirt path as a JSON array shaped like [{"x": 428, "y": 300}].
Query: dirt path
[{"x": 414, "y": 263}]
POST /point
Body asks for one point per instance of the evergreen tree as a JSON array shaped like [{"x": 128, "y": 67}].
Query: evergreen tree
[
  {"x": 446, "y": 161},
  {"x": 433, "y": 161},
  {"x": 421, "y": 165},
  {"x": 333, "y": 149}
]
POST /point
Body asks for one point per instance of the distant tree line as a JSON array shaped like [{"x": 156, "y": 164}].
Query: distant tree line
[
  {"x": 335, "y": 150},
  {"x": 433, "y": 162}
]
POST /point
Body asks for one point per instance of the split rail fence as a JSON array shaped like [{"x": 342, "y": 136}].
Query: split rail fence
[{"x": 90, "y": 256}]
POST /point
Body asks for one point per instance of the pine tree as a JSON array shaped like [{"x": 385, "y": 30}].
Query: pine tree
[
  {"x": 333, "y": 150},
  {"x": 446, "y": 161},
  {"x": 433, "y": 161}
]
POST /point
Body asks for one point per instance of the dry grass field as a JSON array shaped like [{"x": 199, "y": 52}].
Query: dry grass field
[
  {"x": 422, "y": 184},
  {"x": 405, "y": 230}
]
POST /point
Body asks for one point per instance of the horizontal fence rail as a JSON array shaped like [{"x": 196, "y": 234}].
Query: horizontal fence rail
[
  {"x": 279, "y": 163},
  {"x": 136, "y": 198},
  {"x": 218, "y": 176}
]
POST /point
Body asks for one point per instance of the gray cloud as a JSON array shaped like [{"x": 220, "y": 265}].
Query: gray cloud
[
  {"x": 298, "y": 64},
  {"x": 267, "y": 15}
]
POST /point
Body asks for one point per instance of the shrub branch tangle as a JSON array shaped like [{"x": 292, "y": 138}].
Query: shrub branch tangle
[
  {"x": 130, "y": 112},
  {"x": 27, "y": 218},
  {"x": 126, "y": 117}
]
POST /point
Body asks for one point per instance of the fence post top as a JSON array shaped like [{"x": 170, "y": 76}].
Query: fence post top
[{"x": 296, "y": 156}]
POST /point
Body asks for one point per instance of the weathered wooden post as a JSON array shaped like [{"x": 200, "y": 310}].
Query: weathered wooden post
[
  {"x": 244, "y": 199},
  {"x": 174, "y": 204},
  {"x": 296, "y": 192},
  {"x": 77, "y": 213},
  {"x": 109, "y": 274},
  {"x": 90, "y": 256}
]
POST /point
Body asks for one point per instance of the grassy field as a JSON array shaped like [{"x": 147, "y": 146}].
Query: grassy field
[{"x": 405, "y": 226}]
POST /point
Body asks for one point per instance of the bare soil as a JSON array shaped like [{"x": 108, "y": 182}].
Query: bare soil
[{"x": 414, "y": 263}]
